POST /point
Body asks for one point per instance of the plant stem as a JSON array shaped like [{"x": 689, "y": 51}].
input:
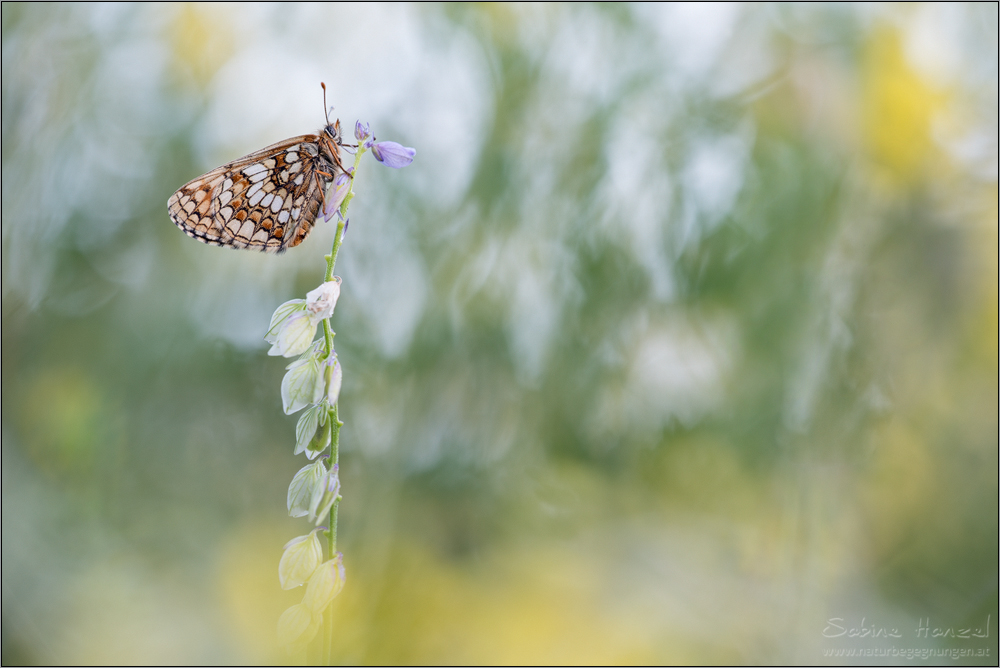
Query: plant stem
[
  {"x": 331, "y": 533},
  {"x": 331, "y": 259},
  {"x": 334, "y": 464},
  {"x": 336, "y": 424}
]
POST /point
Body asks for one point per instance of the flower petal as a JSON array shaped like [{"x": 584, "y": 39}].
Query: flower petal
[
  {"x": 325, "y": 584},
  {"x": 280, "y": 315},
  {"x": 298, "y": 387},
  {"x": 298, "y": 562},
  {"x": 321, "y": 301},
  {"x": 361, "y": 130},
  {"x": 296, "y": 333},
  {"x": 334, "y": 379},
  {"x": 306, "y": 427},
  {"x": 303, "y": 488},
  {"x": 341, "y": 186},
  {"x": 298, "y": 625},
  {"x": 329, "y": 491},
  {"x": 393, "y": 155}
]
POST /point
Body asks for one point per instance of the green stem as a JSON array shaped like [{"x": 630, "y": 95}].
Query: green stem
[
  {"x": 331, "y": 259},
  {"x": 336, "y": 424},
  {"x": 334, "y": 463},
  {"x": 331, "y": 533}
]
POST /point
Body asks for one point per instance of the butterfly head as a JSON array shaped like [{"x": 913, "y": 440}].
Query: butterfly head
[{"x": 332, "y": 130}]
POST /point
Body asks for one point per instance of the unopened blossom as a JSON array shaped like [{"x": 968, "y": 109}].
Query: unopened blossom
[
  {"x": 286, "y": 340},
  {"x": 308, "y": 425},
  {"x": 361, "y": 130},
  {"x": 280, "y": 315},
  {"x": 294, "y": 323},
  {"x": 302, "y": 385},
  {"x": 325, "y": 584},
  {"x": 341, "y": 186},
  {"x": 334, "y": 380},
  {"x": 320, "y": 440},
  {"x": 326, "y": 492},
  {"x": 298, "y": 625},
  {"x": 304, "y": 486},
  {"x": 294, "y": 335},
  {"x": 298, "y": 562}
]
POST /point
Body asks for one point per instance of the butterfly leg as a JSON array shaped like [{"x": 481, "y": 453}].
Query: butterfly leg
[
  {"x": 335, "y": 154},
  {"x": 322, "y": 183}
]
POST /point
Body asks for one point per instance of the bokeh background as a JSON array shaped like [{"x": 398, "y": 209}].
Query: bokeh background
[{"x": 676, "y": 343}]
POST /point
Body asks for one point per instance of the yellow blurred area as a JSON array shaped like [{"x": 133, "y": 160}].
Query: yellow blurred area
[
  {"x": 899, "y": 107},
  {"x": 202, "y": 40},
  {"x": 496, "y": 614},
  {"x": 564, "y": 600},
  {"x": 900, "y": 491},
  {"x": 246, "y": 581}
]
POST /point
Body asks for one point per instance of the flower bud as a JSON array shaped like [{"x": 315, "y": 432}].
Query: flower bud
[
  {"x": 304, "y": 486},
  {"x": 361, "y": 130},
  {"x": 301, "y": 557},
  {"x": 321, "y": 439},
  {"x": 325, "y": 584},
  {"x": 302, "y": 385},
  {"x": 298, "y": 625},
  {"x": 307, "y": 425},
  {"x": 324, "y": 495},
  {"x": 321, "y": 301},
  {"x": 294, "y": 335},
  {"x": 334, "y": 379},
  {"x": 394, "y": 155},
  {"x": 280, "y": 315},
  {"x": 341, "y": 186}
]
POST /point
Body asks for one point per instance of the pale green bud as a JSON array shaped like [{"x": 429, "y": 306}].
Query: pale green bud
[
  {"x": 294, "y": 335},
  {"x": 303, "y": 488},
  {"x": 305, "y": 429},
  {"x": 324, "y": 585},
  {"x": 301, "y": 557},
  {"x": 280, "y": 315},
  {"x": 334, "y": 379},
  {"x": 324, "y": 495},
  {"x": 298, "y": 625},
  {"x": 321, "y": 439},
  {"x": 302, "y": 385}
]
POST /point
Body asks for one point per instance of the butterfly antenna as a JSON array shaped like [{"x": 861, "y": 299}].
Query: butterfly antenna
[{"x": 324, "y": 103}]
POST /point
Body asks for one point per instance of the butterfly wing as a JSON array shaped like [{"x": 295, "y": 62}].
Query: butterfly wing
[{"x": 267, "y": 200}]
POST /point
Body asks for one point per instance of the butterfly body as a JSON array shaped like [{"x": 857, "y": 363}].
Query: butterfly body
[{"x": 267, "y": 200}]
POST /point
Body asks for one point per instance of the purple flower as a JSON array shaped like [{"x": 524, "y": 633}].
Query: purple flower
[
  {"x": 361, "y": 130},
  {"x": 341, "y": 186},
  {"x": 394, "y": 155}
]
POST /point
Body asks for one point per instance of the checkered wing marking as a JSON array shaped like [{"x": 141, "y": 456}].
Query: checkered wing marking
[{"x": 267, "y": 200}]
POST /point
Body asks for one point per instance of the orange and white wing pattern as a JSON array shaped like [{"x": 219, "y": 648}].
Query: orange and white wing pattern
[{"x": 266, "y": 201}]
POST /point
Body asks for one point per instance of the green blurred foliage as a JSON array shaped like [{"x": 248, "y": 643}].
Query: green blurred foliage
[{"x": 677, "y": 340}]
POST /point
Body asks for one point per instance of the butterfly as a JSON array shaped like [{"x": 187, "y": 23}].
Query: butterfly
[{"x": 267, "y": 200}]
